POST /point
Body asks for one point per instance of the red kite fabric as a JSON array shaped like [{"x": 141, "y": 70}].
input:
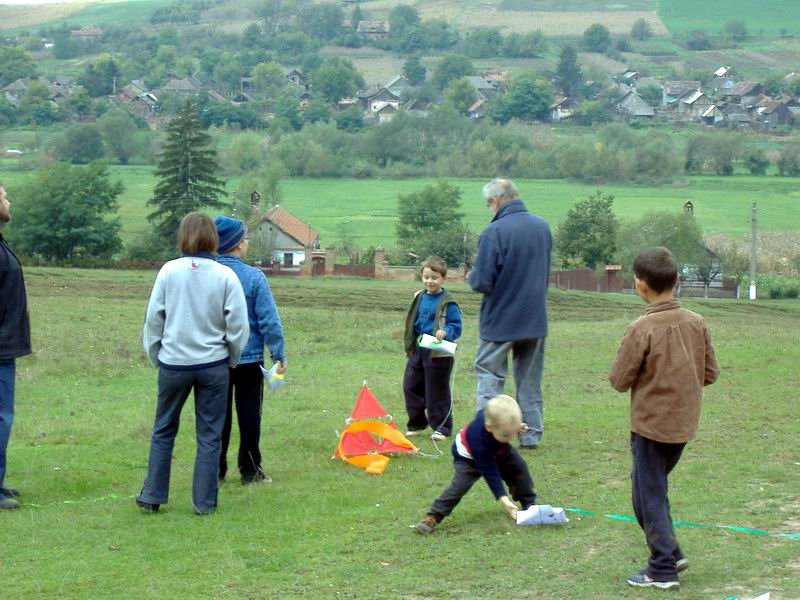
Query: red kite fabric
[{"x": 367, "y": 406}]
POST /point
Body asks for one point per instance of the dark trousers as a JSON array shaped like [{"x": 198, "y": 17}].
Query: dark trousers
[
  {"x": 246, "y": 386},
  {"x": 426, "y": 386},
  {"x": 513, "y": 470},
  {"x": 652, "y": 463},
  {"x": 174, "y": 387}
]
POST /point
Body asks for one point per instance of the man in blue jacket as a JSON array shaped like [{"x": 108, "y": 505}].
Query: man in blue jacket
[
  {"x": 512, "y": 271},
  {"x": 15, "y": 341}
]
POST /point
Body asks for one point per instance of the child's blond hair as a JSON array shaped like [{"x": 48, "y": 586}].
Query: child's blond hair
[{"x": 503, "y": 411}]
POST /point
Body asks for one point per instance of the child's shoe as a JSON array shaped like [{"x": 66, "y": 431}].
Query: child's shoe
[
  {"x": 426, "y": 525},
  {"x": 438, "y": 437},
  {"x": 644, "y": 580},
  {"x": 681, "y": 565},
  {"x": 413, "y": 432}
]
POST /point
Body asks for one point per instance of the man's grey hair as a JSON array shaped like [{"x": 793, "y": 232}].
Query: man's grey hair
[{"x": 503, "y": 189}]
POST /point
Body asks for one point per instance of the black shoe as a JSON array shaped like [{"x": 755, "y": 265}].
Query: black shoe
[
  {"x": 147, "y": 507},
  {"x": 7, "y": 502},
  {"x": 10, "y": 492},
  {"x": 528, "y": 446}
]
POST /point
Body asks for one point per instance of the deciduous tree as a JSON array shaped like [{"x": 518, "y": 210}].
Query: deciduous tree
[
  {"x": 64, "y": 213},
  {"x": 588, "y": 235}
]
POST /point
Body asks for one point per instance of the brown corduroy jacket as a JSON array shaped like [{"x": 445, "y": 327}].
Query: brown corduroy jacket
[{"x": 665, "y": 359}]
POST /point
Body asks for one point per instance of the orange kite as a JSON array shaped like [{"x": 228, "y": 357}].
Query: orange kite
[{"x": 357, "y": 444}]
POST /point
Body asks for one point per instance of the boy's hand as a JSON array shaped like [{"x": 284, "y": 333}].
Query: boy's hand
[
  {"x": 440, "y": 335},
  {"x": 510, "y": 507},
  {"x": 523, "y": 429},
  {"x": 281, "y": 368}
]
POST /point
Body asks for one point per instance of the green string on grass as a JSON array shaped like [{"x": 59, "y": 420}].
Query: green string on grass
[{"x": 750, "y": 530}]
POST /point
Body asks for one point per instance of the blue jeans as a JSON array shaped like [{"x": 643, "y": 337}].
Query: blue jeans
[
  {"x": 491, "y": 365},
  {"x": 7, "y": 372},
  {"x": 210, "y": 405}
]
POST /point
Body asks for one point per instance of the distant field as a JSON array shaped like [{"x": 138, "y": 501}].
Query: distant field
[
  {"x": 767, "y": 17},
  {"x": 78, "y": 14},
  {"x": 14, "y": 16},
  {"x": 370, "y": 206}
]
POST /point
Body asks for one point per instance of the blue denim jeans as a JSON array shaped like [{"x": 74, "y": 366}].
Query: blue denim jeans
[
  {"x": 7, "y": 372},
  {"x": 210, "y": 405},
  {"x": 491, "y": 365}
]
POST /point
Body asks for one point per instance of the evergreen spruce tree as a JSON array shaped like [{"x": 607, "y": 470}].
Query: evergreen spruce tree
[
  {"x": 188, "y": 172},
  {"x": 568, "y": 71}
]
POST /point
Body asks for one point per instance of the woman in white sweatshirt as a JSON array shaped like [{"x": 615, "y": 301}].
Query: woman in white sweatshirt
[{"x": 196, "y": 327}]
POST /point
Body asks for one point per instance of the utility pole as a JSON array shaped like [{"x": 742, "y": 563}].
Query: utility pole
[
  {"x": 753, "y": 254},
  {"x": 233, "y": 205}
]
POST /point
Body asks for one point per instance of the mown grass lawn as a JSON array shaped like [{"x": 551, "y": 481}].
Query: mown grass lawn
[{"x": 324, "y": 529}]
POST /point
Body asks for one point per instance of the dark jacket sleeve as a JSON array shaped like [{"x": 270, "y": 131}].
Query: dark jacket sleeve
[
  {"x": 484, "y": 272},
  {"x": 483, "y": 454}
]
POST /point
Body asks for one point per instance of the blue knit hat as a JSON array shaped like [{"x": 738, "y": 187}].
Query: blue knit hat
[{"x": 230, "y": 232}]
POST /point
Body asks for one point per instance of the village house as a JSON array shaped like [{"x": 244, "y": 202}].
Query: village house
[
  {"x": 673, "y": 91},
  {"x": 185, "y": 87},
  {"x": 713, "y": 116},
  {"x": 286, "y": 237},
  {"x": 374, "y": 100},
  {"x": 477, "y": 110},
  {"x": 633, "y": 106},
  {"x": 775, "y": 114},
  {"x": 398, "y": 85},
  {"x": 386, "y": 113},
  {"x": 694, "y": 105},
  {"x": 483, "y": 87},
  {"x": 374, "y": 30},
  {"x": 743, "y": 93},
  {"x": 562, "y": 108},
  {"x": 86, "y": 33},
  {"x": 417, "y": 107}
]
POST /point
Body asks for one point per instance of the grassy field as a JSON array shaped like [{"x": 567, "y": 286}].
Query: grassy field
[
  {"x": 722, "y": 204},
  {"x": 324, "y": 529},
  {"x": 79, "y": 14},
  {"x": 682, "y": 16}
]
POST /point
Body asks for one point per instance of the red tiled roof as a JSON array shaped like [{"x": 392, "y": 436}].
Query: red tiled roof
[{"x": 291, "y": 225}]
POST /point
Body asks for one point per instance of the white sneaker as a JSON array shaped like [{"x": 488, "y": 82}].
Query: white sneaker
[
  {"x": 438, "y": 437},
  {"x": 413, "y": 432}
]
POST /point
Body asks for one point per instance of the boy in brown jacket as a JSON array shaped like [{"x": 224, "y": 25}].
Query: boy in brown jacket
[{"x": 665, "y": 359}]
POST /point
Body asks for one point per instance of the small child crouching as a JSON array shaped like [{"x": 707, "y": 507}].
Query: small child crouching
[{"x": 482, "y": 449}]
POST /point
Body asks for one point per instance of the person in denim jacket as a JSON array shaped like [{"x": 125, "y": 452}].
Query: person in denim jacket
[{"x": 246, "y": 380}]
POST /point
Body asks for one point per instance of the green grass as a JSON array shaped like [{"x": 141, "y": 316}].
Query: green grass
[
  {"x": 722, "y": 204},
  {"x": 768, "y": 18},
  {"x": 324, "y": 529}
]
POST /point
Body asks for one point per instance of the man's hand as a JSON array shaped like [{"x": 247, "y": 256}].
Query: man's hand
[
  {"x": 282, "y": 366},
  {"x": 441, "y": 334},
  {"x": 510, "y": 507}
]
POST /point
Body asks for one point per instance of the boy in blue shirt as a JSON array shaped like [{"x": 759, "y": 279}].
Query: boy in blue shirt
[
  {"x": 426, "y": 383},
  {"x": 246, "y": 379},
  {"x": 482, "y": 449}
]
